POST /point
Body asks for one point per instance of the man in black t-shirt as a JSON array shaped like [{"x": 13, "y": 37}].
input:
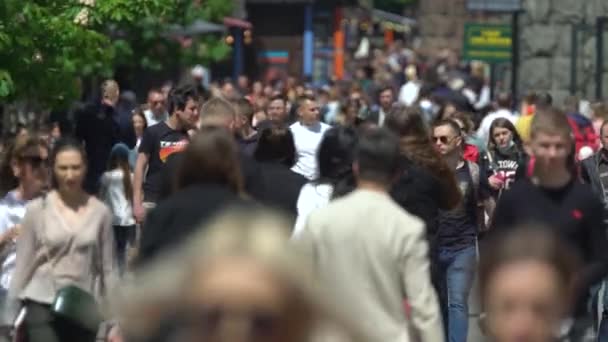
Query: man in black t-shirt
[
  {"x": 554, "y": 197},
  {"x": 457, "y": 233},
  {"x": 158, "y": 143}
]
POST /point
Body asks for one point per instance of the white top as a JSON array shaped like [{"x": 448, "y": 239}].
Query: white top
[
  {"x": 312, "y": 197},
  {"x": 381, "y": 117},
  {"x": 152, "y": 120},
  {"x": 409, "y": 93},
  {"x": 484, "y": 128},
  {"x": 113, "y": 195},
  {"x": 12, "y": 211},
  {"x": 307, "y": 140}
]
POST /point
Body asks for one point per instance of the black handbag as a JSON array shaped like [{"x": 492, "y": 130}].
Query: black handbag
[{"x": 77, "y": 306}]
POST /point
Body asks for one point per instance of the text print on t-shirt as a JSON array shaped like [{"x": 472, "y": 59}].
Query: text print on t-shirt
[
  {"x": 506, "y": 170},
  {"x": 167, "y": 148}
]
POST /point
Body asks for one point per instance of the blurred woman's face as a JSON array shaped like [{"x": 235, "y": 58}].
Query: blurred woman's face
[
  {"x": 502, "y": 136},
  {"x": 449, "y": 111},
  {"x": 139, "y": 125},
  {"x": 524, "y": 302},
  {"x": 238, "y": 300},
  {"x": 257, "y": 88},
  {"x": 268, "y": 91},
  {"x": 69, "y": 170}
]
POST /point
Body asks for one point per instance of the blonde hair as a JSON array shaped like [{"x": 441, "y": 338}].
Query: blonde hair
[
  {"x": 262, "y": 236},
  {"x": 217, "y": 111}
]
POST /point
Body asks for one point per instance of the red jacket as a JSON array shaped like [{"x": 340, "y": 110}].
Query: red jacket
[
  {"x": 471, "y": 153},
  {"x": 583, "y": 132}
]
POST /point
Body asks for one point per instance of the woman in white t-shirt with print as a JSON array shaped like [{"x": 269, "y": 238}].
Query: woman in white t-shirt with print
[{"x": 335, "y": 158}]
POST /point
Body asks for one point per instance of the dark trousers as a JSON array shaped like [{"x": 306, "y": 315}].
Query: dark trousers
[
  {"x": 124, "y": 236},
  {"x": 42, "y": 325}
]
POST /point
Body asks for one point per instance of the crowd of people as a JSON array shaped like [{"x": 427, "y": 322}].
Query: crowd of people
[{"x": 364, "y": 210}]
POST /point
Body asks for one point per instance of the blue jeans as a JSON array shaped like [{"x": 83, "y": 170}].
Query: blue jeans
[{"x": 457, "y": 271}]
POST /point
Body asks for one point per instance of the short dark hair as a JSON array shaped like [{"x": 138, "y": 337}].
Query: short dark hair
[
  {"x": 378, "y": 155},
  {"x": 450, "y": 123},
  {"x": 278, "y": 97},
  {"x": 503, "y": 100},
  {"x": 305, "y": 98},
  {"x": 385, "y": 88},
  {"x": 180, "y": 96},
  {"x": 544, "y": 100}
]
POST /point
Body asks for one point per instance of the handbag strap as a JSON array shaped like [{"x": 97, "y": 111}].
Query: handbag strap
[{"x": 43, "y": 237}]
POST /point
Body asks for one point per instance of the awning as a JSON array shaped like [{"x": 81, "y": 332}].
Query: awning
[
  {"x": 380, "y": 15},
  {"x": 235, "y": 22},
  {"x": 198, "y": 27}
]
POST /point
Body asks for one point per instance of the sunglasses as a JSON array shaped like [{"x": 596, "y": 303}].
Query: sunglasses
[{"x": 443, "y": 139}]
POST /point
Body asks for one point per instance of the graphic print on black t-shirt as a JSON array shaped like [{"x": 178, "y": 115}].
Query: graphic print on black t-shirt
[
  {"x": 167, "y": 148},
  {"x": 506, "y": 170},
  {"x": 158, "y": 143},
  {"x": 458, "y": 227},
  {"x": 504, "y": 166}
]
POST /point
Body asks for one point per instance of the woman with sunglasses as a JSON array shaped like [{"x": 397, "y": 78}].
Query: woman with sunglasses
[
  {"x": 23, "y": 177},
  {"x": 66, "y": 240},
  {"x": 504, "y": 161}
]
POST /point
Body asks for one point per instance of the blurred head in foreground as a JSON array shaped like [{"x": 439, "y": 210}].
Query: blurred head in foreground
[
  {"x": 238, "y": 280},
  {"x": 527, "y": 285}
]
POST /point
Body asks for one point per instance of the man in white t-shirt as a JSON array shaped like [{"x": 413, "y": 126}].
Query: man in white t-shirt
[
  {"x": 157, "y": 110},
  {"x": 307, "y": 134}
]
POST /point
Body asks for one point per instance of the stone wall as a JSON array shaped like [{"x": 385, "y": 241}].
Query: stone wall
[
  {"x": 441, "y": 23},
  {"x": 545, "y": 40},
  {"x": 546, "y": 47}
]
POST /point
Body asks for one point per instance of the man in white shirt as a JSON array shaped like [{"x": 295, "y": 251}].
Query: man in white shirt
[
  {"x": 410, "y": 90},
  {"x": 157, "y": 110},
  {"x": 307, "y": 135},
  {"x": 504, "y": 103},
  {"x": 370, "y": 254}
]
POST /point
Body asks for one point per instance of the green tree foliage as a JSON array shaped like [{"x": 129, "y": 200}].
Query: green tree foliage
[{"x": 48, "y": 46}]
